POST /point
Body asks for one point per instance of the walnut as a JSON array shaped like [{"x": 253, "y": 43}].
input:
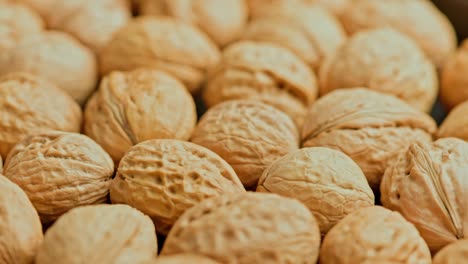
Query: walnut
[
  {"x": 131, "y": 107},
  {"x": 454, "y": 80},
  {"x": 419, "y": 19},
  {"x": 453, "y": 253},
  {"x": 327, "y": 181},
  {"x": 374, "y": 235},
  {"x": 263, "y": 72},
  {"x": 29, "y": 105},
  {"x": 20, "y": 225},
  {"x": 334, "y": 6},
  {"x": 56, "y": 57},
  {"x": 249, "y": 135},
  {"x": 163, "y": 178},
  {"x": 369, "y": 127},
  {"x": 456, "y": 123},
  {"x": 427, "y": 185},
  {"x": 247, "y": 228},
  {"x": 105, "y": 234},
  {"x": 184, "y": 259},
  {"x": 163, "y": 43},
  {"x": 60, "y": 171},
  {"x": 384, "y": 60},
  {"x": 337, "y": 7}
]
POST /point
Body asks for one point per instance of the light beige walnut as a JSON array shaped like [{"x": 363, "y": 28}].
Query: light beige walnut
[
  {"x": 266, "y": 73},
  {"x": 427, "y": 184},
  {"x": 60, "y": 171},
  {"x": 164, "y": 43},
  {"x": 19, "y": 224},
  {"x": 163, "y": 178},
  {"x": 183, "y": 259},
  {"x": 369, "y": 127},
  {"x": 455, "y": 253},
  {"x": 456, "y": 123},
  {"x": 384, "y": 60},
  {"x": 374, "y": 235},
  {"x": 249, "y": 135},
  {"x": 247, "y": 228},
  {"x": 29, "y": 105},
  {"x": 327, "y": 181},
  {"x": 419, "y": 19},
  {"x": 337, "y": 7},
  {"x": 131, "y": 107},
  {"x": 105, "y": 234},
  {"x": 57, "y": 57},
  {"x": 454, "y": 78}
]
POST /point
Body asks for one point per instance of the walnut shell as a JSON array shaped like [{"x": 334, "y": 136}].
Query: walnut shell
[
  {"x": 163, "y": 178},
  {"x": 454, "y": 80},
  {"x": 184, "y": 259},
  {"x": 20, "y": 225},
  {"x": 456, "y": 123},
  {"x": 105, "y": 234},
  {"x": 258, "y": 7},
  {"x": 337, "y": 7},
  {"x": 427, "y": 185},
  {"x": 247, "y": 228},
  {"x": 454, "y": 253},
  {"x": 249, "y": 135},
  {"x": 29, "y": 105},
  {"x": 419, "y": 19},
  {"x": 163, "y": 43},
  {"x": 60, "y": 171},
  {"x": 131, "y": 107},
  {"x": 56, "y": 57},
  {"x": 384, "y": 60},
  {"x": 327, "y": 181},
  {"x": 263, "y": 72},
  {"x": 369, "y": 127},
  {"x": 374, "y": 235}
]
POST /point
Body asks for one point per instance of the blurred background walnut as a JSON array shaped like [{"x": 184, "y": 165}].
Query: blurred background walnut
[
  {"x": 183, "y": 259},
  {"x": 334, "y": 6},
  {"x": 456, "y": 123},
  {"x": 454, "y": 80},
  {"x": 453, "y": 253}
]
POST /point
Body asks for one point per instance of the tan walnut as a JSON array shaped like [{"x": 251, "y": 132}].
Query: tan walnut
[
  {"x": 454, "y": 253},
  {"x": 334, "y": 6},
  {"x": 374, "y": 235},
  {"x": 164, "y": 43},
  {"x": 60, "y": 171},
  {"x": 263, "y": 72},
  {"x": 183, "y": 259},
  {"x": 163, "y": 178},
  {"x": 105, "y": 234},
  {"x": 327, "y": 181},
  {"x": 249, "y": 135},
  {"x": 369, "y": 127},
  {"x": 427, "y": 185},
  {"x": 454, "y": 79},
  {"x": 384, "y": 60},
  {"x": 29, "y": 104},
  {"x": 456, "y": 123},
  {"x": 247, "y": 228}
]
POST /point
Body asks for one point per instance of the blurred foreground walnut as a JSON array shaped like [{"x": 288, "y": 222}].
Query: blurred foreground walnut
[{"x": 455, "y": 253}]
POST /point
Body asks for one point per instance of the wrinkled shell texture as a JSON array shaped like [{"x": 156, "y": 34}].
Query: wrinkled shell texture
[
  {"x": 456, "y": 123},
  {"x": 105, "y": 234},
  {"x": 245, "y": 229},
  {"x": 60, "y": 171},
  {"x": 427, "y": 185},
  {"x": 454, "y": 87},
  {"x": 20, "y": 225},
  {"x": 223, "y": 21},
  {"x": 384, "y": 60},
  {"x": 419, "y": 19},
  {"x": 328, "y": 182},
  {"x": 249, "y": 135},
  {"x": 163, "y": 178},
  {"x": 184, "y": 259},
  {"x": 163, "y": 43},
  {"x": 369, "y": 127},
  {"x": 30, "y": 105},
  {"x": 263, "y": 72},
  {"x": 131, "y": 107},
  {"x": 374, "y": 235},
  {"x": 453, "y": 254},
  {"x": 57, "y": 57}
]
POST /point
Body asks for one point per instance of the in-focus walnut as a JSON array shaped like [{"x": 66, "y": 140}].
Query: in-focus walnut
[
  {"x": 249, "y": 135},
  {"x": 223, "y": 21},
  {"x": 419, "y": 19},
  {"x": 374, "y": 235},
  {"x": 19, "y": 224},
  {"x": 164, "y": 43},
  {"x": 60, "y": 171},
  {"x": 427, "y": 185},
  {"x": 163, "y": 178},
  {"x": 454, "y": 79},
  {"x": 105, "y": 234},
  {"x": 455, "y": 253},
  {"x": 56, "y": 57},
  {"x": 369, "y": 127},
  {"x": 384, "y": 60},
  {"x": 29, "y": 105},
  {"x": 184, "y": 259},
  {"x": 131, "y": 107},
  {"x": 263, "y": 72},
  {"x": 247, "y": 228},
  {"x": 327, "y": 181},
  {"x": 456, "y": 123}
]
